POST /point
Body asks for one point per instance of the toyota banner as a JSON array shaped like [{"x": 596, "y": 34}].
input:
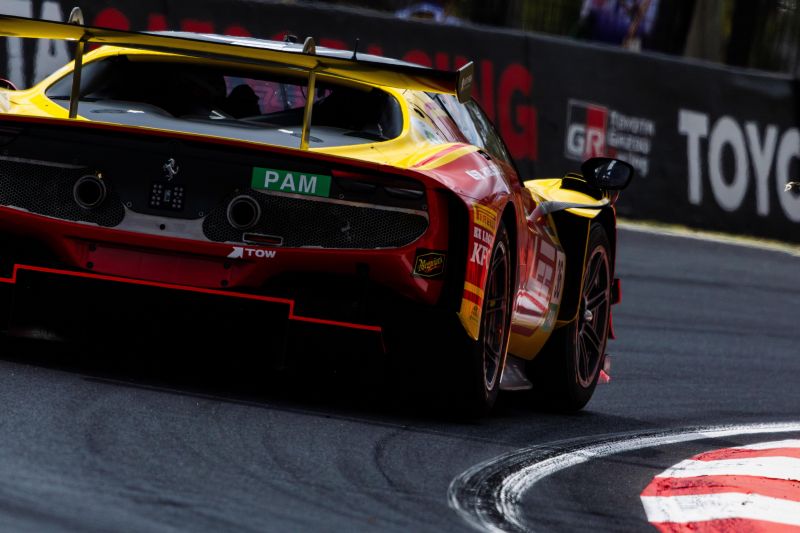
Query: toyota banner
[{"x": 713, "y": 146}]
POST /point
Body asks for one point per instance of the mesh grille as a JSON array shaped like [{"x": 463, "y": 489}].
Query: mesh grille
[
  {"x": 325, "y": 224},
  {"x": 47, "y": 190}
]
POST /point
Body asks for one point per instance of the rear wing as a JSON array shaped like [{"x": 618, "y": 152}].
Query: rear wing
[
  {"x": 458, "y": 82},
  {"x": 330, "y": 62}
]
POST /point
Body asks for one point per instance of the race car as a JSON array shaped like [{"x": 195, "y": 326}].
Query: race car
[{"x": 293, "y": 199}]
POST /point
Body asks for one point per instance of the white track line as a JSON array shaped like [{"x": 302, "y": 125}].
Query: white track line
[
  {"x": 489, "y": 495},
  {"x": 701, "y": 508},
  {"x": 700, "y": 235},
  {"x": 774, "y": 445},
  {"x": 771, "y": 467}
]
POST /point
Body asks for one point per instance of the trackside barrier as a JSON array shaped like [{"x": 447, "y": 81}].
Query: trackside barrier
[{"x": 713, "y": 146}]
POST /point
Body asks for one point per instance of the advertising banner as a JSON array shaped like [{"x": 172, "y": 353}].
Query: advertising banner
[{"x": 713, "y": 147}]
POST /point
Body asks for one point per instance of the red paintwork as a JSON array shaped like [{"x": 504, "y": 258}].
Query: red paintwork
[
  {"x": 204, "y": 265},
  {"x": 537, "y": 275}
]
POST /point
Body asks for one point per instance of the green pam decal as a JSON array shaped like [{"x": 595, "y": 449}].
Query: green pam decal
[{"x": 271, "y": 179}]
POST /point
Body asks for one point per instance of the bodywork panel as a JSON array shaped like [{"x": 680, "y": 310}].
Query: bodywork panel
[{"x": 352, "y": 234}]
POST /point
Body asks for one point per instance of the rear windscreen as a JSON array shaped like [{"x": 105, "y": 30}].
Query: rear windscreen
[{"x": 234, "y": 96}]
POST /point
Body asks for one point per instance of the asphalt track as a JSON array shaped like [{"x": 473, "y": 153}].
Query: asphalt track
[{"x": 707, "y": 335}]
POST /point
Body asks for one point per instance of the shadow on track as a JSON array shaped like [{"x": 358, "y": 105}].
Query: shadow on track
[
  {"x": 357, "y": 387},
  {"x": 213, "y": 371}
]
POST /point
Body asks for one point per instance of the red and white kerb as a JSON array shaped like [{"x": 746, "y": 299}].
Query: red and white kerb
[{"x": 752, "y": 488}]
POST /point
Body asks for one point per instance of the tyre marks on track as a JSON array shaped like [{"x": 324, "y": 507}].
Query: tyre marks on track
[{"x": 489, "y": 495}]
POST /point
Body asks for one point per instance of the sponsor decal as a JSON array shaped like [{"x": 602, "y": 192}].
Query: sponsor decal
[
  {"x": 594, "y": 130},
  {"x": 5, "y": 104},
  {"x": 734, "y": 157},
  {"x": 536, "y": 310},
  {"x": 484, "y": 217},
  {"x": 485, "y": 172},
  {"x": 485, "y": 220},
  {"x": 546, "y": 268},
  {"x": 544, "y": 276},
  {"x": 484, "y": 223},
  {"x": 430, "y": 264},
  {"x": 270, "y": 179},
  {"x": 240, "y": 252},
  {"x": 481, "y": 244}
]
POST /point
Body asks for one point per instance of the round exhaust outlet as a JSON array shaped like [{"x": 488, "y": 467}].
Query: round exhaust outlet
[
  {"x": 89, "y": 192},
  {"x": 244, "y": 212}
]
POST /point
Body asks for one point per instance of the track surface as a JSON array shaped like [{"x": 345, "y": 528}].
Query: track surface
[{"x": 707, "y": 335}]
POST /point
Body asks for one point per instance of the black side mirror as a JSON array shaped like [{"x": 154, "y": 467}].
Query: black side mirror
[{"x": 606, "y": 173}]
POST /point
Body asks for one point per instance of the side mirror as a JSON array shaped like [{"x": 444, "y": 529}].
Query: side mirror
[{"x": 606, "y": 173}]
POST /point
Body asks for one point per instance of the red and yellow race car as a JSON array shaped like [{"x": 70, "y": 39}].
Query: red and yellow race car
[{"x": 308, "y": 199}]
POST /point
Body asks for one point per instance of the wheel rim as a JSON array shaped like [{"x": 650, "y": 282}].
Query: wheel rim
[
  {"x": 592, "y": 331},
  {"x": 495, "y": 316}
]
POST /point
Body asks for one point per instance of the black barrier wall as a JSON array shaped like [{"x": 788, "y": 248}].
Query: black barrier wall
[{"x": 713, "y": 146}]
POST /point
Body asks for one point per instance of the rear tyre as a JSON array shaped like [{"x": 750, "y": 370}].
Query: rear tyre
[
  {"x": 478, "y": 381},
  {"x": 565, "y": 373}
]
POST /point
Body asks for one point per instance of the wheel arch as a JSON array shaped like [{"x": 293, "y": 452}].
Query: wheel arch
[
  {"x": 573, "y": 233},
  {"x": 608, "y": 219},
  {"x": 509, "y": 219}
]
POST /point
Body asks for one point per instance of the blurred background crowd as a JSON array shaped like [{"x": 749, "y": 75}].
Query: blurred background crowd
[{"x": 763, "y": 34}]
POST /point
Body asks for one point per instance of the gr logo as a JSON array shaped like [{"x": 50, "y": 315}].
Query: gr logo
[{"x": 587, "y": 125}]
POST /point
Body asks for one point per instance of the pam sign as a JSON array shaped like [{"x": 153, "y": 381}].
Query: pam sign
[
  {"x": 765, "y": 158},
  {"x": 289, "y": 181}
]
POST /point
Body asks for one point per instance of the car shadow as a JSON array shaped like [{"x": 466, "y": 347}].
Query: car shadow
[{"x": 352, "y": 390}]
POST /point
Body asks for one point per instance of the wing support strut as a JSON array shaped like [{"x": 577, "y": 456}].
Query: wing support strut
[
  {"x": 309, "y": 47},
  {"x": 76, "y": 17}
]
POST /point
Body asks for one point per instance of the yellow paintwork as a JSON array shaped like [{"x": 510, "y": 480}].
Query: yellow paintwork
[
  {"x": 470, "y": 316},
  {"x": 528, "y": 347},
  {"x": 550, "y": 190},
  {"x": 406, "y": 151},
  {"x": 448, "y": 157},
  {"x": 474, "y": 289},
  {"x": 409, "y": 150}
]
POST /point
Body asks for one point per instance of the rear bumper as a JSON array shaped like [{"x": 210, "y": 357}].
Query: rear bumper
[
  {"x": 82, "y": 306},
  {"x": 205, "y": 264}
]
